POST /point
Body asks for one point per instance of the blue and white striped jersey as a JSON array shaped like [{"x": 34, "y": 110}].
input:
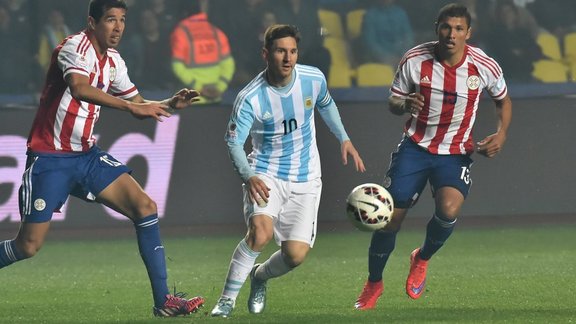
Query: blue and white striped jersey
[{"x": 281, "y": 125}]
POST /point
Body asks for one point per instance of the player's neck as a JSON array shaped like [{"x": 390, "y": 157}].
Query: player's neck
[
  {"x": 449, "y": 58},
  {"x": 276, "y": 80},
  {"x": 100, "y": 49}
]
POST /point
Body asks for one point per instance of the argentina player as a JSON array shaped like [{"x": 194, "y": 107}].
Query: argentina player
[{"x": 281, "y": 175}]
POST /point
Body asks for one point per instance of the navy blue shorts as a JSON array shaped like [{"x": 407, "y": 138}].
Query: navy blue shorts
[
  {"x": 50, "y": 178},
  {"x": 411, "y": 167}
]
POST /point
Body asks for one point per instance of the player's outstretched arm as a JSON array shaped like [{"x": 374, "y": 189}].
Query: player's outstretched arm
[
  {"x": 347, "y": 148},
  {"x": 82, "y": 90},
  {"x": 157, "y": 109}
]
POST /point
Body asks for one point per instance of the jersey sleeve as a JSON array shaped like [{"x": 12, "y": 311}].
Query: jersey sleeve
[
  {"x": 331, "y": 117},
  {"x": 71, "y": 60},
  {"x": 324, "y": 98},
  {"x": 402, "y": 86},
  {"x": 237, "y": 132},
  {"x": 121, "y": 85},
  {"x": 497, "y": 87}
]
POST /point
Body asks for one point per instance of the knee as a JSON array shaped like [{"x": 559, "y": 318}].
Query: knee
[
  {"x": 448, "y": 211},
  {"x": 28, "y": 249},
  {"x": 396, "y": 220},
  {"x": 145, "y": 207},
  {"x": 294, "y": 258},
  {"x": 258, "y": 237}
]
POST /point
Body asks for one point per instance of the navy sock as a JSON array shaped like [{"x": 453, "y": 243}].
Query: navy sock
[
  {"x": 381, "y": 246},
  {"x": 9, "y": 254},
  {"x": 152, "y": 253},
  {"x": 437, "y": 232}
]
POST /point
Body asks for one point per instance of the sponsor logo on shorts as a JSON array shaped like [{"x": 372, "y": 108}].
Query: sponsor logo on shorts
[
  {"x": 110, "y": 161},
  {"x": 39, "y": 204},
  {"x": 387, "y": 182}
]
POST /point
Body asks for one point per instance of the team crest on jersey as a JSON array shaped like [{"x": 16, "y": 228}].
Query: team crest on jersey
[
  {"x": 308, "y": 103},
  {"x": 39, "y": 204},
  {"x": 112, "y": 73},
  {"x": 473, "y": 82}
]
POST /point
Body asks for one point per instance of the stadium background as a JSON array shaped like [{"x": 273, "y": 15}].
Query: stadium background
[{"x": 183, "y": 162}]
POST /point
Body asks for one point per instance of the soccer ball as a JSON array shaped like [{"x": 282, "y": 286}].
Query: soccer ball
[{"x": 369, "y": 207}]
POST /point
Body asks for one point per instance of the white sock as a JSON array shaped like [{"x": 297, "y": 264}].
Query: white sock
[
  {"x": 241, "y": 264},
  {"x": 274, "y": 267}
]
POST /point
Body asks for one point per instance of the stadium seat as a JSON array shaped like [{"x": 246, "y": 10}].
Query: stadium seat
[
  {"x": 550, "y": 71},
  {"x": 354, "y": 23},
  {"x": 340, "y": 71},
  {"x": 331, "y": 22},
  {"x": 374, "y": 75},
  {"x": 550, "y": 46},
  {"x": 570, "y": 53}
]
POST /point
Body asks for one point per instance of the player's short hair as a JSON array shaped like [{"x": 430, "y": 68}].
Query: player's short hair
[
  {"x": 275, "y": 32},
  {"x": 97, "y": 8},
  {"x": 454, "y": 10}
]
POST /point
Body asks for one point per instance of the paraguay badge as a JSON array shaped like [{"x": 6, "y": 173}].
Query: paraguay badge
[
  {"x": 473, "y": 82},
  {"x": 112, "y": 74}
]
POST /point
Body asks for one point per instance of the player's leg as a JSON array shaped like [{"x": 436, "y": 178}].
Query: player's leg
[
  {"x": 449, "y": 201},
  {"x": 29, "y": 240},
  {"x": 295, "y": 230},
  {"x": 405, "y": 180},
  {"x": 382, "y": 244},
  {"x": 439, "y": 228},
  {"x": 115, "y": 188},
  {"x": 260, "y": 223},
  {"x": 45, "y": 186},
  {"x": 450, "y": 181},
  {"x": 260, "y": 232}
]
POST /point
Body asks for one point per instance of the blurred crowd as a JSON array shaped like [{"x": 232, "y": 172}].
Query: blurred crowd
[{"x": 215, "y": 44}]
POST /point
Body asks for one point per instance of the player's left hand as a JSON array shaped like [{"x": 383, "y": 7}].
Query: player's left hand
[
  {"x": 183, "y": 98},
  {"x": 347, "y": 148},
  {"x": 491, "y": 145}
]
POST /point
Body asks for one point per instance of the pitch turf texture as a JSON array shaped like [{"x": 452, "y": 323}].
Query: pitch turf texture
[{"x": 481, "y": 276}]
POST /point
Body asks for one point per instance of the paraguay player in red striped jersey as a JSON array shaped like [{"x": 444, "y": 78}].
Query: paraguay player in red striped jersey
[
  {"x": 438, "y": 85},
  {"x": 85, "y": 73}
]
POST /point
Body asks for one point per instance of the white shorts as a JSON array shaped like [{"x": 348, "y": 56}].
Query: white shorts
[{"x": 292, "y": 205}]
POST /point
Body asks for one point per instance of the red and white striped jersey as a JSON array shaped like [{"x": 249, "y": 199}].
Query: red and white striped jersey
[
  {"x": 452, "y": 95},
  {"x": 62, "y": 123}
]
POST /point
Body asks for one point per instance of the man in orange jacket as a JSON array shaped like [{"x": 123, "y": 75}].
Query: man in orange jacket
[{"x": 201, "y": 55}]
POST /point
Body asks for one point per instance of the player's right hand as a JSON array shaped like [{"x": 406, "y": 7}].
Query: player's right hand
[
  {"x": 414, "y": 103},
  {"x": 259, "y": 191}
]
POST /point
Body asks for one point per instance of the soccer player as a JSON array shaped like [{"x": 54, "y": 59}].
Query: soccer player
[
  {"x": 438, "y": 84},
  {"x": 86, "y": 72},
  {"x": 281, "y": 175}
]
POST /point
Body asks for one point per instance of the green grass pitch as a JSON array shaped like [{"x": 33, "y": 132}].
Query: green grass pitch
[{"x": 506, "y": 275}]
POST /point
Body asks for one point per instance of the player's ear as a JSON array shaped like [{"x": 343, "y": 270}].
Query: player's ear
[{"x": 91, "y": 23}]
